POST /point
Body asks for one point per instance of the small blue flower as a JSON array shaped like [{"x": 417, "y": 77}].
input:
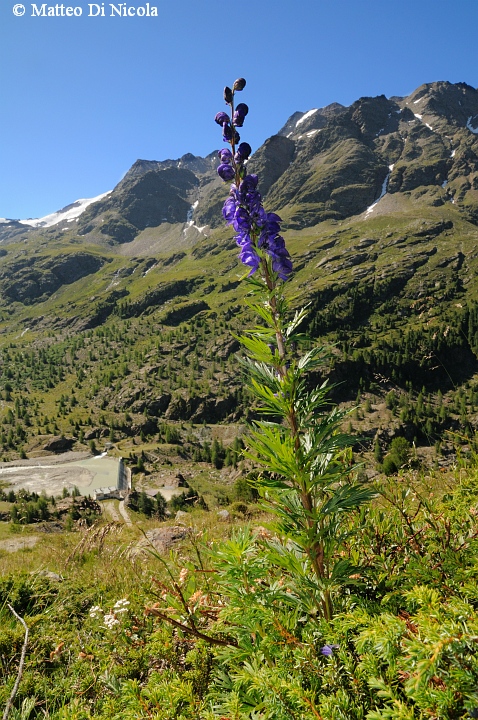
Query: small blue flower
[{"x": 328, "y": 650}]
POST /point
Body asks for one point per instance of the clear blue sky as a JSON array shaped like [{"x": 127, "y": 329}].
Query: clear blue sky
[{"x": 83, "y": 97}]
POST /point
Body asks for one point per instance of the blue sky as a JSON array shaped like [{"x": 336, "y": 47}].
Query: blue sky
[{"x": 84, "y": 97}]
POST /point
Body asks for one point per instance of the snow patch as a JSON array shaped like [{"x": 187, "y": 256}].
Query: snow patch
[
  {"x": 304, "y": 117},
  {"x": 70, "y": 212},
  {"x": 419, "y": 100},
  {"x": 453, "y": 153},
  {"x": 470, "y": 126},
  {"x": 418, "y": 116},
  {"x": 312, "y": 132},
  {"x": 444, "y": 183}
]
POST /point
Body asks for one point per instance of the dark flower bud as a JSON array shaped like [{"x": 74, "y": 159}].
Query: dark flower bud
[
  {"x": 239, "y": 114},
  {"x": 239, "y": 84},
  {"x": 222, "y": 118},
  {"x": 228, "y": 95},
  {"x": 226, "y": 172},
  {"x": 242, "y": 109},
  {"x": 227, "y": 134},
  {"x": 243, "y": 152}
]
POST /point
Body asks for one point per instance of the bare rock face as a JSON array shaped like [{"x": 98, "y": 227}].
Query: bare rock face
[
  {"x": 162, "y": 539},
  {"x": 59, "y": 444}
]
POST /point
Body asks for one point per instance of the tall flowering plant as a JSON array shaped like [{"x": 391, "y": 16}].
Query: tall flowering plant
[{"x": 306, "y": 476}]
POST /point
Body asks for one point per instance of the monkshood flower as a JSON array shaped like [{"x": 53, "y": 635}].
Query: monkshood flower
[{"x": 258, "y": 232}]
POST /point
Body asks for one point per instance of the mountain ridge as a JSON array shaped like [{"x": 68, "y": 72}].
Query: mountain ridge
[{"x": 379, "y": 202}]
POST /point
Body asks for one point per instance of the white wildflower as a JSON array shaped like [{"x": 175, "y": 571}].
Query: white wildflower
[
  {"x": 110, "y": 621},
  {"x": 121, "y": 606}
]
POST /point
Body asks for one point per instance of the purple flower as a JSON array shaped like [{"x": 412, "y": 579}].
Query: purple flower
[
  {"x": 242, "y": 152},
  {"x": 227, "y": 133},
  {"x": 226, "y": 172},
  {"x": 229, "y": 210},
  {"x": 226, "y": 155},
  {"x": 240, "y": 114},
  {"x": 228, "y": 95},
  {"x": 328, "y": 650},
  {"x": 242, "y": 220},
  {"x": 248, "y": 185},
  {"x": 222, "y": 118}
]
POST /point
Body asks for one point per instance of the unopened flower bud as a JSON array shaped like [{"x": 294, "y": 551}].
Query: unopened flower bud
[
  {"x": 228, "y": 95},
  {"x": 227, "y": 134},
  {"x": 239, "y": 84},
  {"x": 243, "y": 152},
  {"x": 239, "y": 114}
]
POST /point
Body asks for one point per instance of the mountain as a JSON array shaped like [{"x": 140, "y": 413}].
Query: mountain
[{"x": 380, "y": 208}]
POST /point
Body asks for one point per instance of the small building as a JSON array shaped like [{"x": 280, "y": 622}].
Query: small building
[{"x": 107, "y": 493}]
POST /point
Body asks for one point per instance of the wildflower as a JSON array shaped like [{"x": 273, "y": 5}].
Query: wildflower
[
  {"x": 225, "y": 155},
  {"x": 226, "y": 172},
  {"x": 240, "y": 114},
  {"x": 222, "y": 118},
  {"x": 183, "y": 575},
  {"x": 328, "y": 650},
  {"x": 110, "y": 621},
  {"x": 258, "y": 233},
  {"x": 121, "y": 607},
  {"x": 95, "y": 612},
  {"x": 242, "y": 152}
]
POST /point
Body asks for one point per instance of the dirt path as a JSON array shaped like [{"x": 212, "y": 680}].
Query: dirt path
[
  {"x": 109, "y": 508},
  {"x": 124, "y": 513}
]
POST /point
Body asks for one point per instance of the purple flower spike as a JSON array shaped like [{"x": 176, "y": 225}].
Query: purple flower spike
[
  {"x": 222, "y": 118},
  {"x": 226, "y": 172},
  {"x": 328, "y": 650},
  {"x": 258, "y": 232}
]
